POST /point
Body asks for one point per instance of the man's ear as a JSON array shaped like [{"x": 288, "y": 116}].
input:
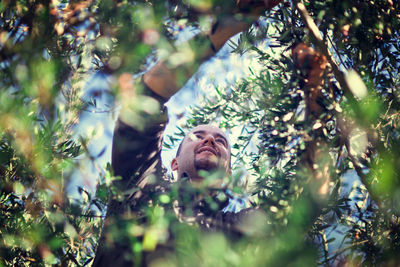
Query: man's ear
[{"x": 174, "y": 164}]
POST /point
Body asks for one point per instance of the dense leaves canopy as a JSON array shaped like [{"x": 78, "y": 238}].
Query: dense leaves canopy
[{"x": 49, "y": 49}]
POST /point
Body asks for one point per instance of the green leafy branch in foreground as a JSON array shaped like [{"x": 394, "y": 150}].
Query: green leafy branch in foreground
[{"x": 47, "y": 51}]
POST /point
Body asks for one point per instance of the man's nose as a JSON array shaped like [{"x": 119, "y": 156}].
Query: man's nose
[{"x": 209, "y": 139}]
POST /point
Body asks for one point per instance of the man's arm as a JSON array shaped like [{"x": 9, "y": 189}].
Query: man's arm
[
  {"x": 162, "y": 78},
  {"x": 136, "y": 152}
]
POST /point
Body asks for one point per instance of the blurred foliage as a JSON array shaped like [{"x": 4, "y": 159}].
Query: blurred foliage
[{"x": 48, "y": 49}]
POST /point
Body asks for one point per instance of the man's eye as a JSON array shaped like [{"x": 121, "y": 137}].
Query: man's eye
[
  {"x": 221, "y": 141},
  {"x": 198, "y": 136}
]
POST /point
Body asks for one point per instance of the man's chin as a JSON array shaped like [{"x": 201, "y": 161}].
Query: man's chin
[{"x": 206, "y": 165}]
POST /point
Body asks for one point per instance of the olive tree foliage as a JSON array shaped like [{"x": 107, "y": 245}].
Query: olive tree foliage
[
  {"x": 357, "y": 132},
  {"x": 48, "y": 49}
]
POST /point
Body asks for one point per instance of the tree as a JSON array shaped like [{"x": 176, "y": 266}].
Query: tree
[{"x": 49, "y": 48}]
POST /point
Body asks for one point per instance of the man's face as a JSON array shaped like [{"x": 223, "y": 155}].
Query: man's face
[{"x": 206, "y": 148}]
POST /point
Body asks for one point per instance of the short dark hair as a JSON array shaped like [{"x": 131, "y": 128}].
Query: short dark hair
[{"x": 179, "y": 147}]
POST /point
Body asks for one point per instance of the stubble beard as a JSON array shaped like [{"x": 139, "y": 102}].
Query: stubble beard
[{"x": 207, "y": 163}]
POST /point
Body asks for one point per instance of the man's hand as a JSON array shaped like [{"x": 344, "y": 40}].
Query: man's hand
[
  {"x": 312, "y": 62},
  {"x": 312, "y": 65}
]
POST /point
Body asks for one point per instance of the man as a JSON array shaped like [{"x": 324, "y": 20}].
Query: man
[
  {"x": 206, "y": 147},
  {"x": 136, "y": 159}
]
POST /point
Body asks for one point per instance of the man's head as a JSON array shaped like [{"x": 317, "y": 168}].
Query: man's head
[{"x": 207, "y": 148}]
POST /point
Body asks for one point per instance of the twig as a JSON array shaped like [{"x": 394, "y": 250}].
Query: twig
[
  {"x": 339, "y": 155},
  {"x": 348, "y": 247},
  {"x": 337, "y": 52},
  {"x": 326, "y": 249},
  {"x": 363, "y": 177}
]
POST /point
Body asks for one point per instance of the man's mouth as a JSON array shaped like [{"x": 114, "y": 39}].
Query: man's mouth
[{"x": 208, "y": 149}]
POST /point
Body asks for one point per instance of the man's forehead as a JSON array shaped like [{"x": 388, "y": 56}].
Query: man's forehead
[{"x": 208, "y": 129}]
